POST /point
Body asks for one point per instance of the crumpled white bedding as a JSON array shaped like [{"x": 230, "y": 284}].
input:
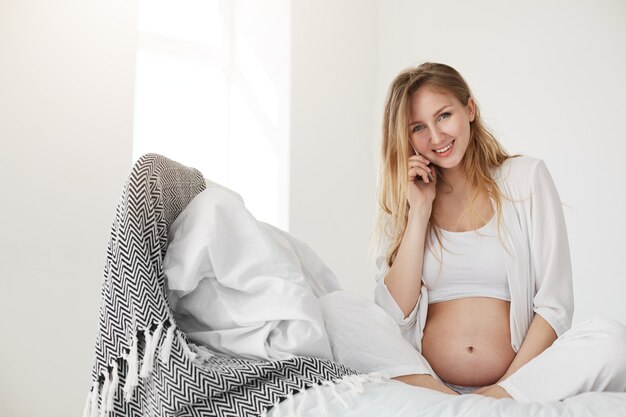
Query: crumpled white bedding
[
  {"x": 243, "y": 287},
  {"x": 396, "y": 399}
]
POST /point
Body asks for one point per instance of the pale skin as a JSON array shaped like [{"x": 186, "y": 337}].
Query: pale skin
[{"x": 466, "y": 341}]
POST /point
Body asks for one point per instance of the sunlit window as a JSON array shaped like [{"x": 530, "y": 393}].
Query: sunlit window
[{"x": 212, "y": 92}]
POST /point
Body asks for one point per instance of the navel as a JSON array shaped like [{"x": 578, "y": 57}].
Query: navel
[{"x": 470, "y": 349}]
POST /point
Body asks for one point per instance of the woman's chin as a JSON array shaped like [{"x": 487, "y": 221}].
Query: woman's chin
[{"x": 450, "y": 162}]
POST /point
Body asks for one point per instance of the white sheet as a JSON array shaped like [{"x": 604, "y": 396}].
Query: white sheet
[
  {"x": 242, "y": 287},
  {"x": 396, "y": 399}
]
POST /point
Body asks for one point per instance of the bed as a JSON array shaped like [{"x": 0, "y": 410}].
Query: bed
[
  {"x": 392, "y": 398},
  {"x": 159, "y": 351}
]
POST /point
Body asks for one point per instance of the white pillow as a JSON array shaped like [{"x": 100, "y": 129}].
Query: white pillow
[{"x": 237, "y": 285}]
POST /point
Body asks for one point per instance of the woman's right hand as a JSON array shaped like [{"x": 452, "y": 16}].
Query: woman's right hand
[{"x": 421, "y": 193}]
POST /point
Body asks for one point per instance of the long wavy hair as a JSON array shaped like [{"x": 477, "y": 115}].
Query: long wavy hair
[{"x": 483, "y": 154}]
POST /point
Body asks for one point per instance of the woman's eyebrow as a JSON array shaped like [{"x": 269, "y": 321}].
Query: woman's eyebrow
[
  {"x": 439, "y": 111},
  {"x": 434, "y": 114}
]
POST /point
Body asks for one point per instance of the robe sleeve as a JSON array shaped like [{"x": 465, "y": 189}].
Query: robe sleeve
[
  {"x": 409, "y": 326},
  {"x": 550, "y": 254}
]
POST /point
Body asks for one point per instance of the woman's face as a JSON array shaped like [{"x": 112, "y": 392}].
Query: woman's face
[{"x": 440, "y": 122}]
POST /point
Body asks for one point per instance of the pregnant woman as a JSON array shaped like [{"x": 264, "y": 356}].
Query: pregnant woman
[{"x": 473, "y": 262}]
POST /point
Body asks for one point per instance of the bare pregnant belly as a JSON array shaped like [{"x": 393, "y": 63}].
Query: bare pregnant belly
[{"x": 468, "y": 341}]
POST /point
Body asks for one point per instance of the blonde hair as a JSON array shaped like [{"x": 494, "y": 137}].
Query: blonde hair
[{"x": 483, "y": 152}]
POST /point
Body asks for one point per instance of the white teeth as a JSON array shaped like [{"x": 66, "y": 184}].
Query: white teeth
[{"x": 444, "y": 149}]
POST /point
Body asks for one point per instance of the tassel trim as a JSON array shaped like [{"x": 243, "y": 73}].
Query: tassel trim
[
  {"x": 104, "y": 389},
  {"x": 166, "y": 349},
  {"x": 321, "y": 403},
  {"x": 303, "y": 395},
  {"x": 354, "y": 383},
  {"x": 132, "y": 376},
  {"x": 191, "y": 355},
  {"x": 291, "y": 405},
  {"x": 115, "y": 380},
  {"x": 147, "y": 337},
  {"x": 105, "y": 394},
  {"x": 94, "y": 399},
  {"x": 110, "y": 379},
  {"x": 87, "y": 409},
  {"x": 152, "y": 342}
]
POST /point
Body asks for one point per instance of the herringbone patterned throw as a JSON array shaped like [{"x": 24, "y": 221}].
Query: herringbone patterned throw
[{"x": 143, "y": 363}]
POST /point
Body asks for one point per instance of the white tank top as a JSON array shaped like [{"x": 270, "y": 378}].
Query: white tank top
[{"x": 474, "y": 265}]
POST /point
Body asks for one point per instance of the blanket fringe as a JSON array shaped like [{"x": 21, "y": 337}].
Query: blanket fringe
[
  {"x": 191, "y": 355},
  {"x": 321, "y": 404},
  {"x": 111, "y": 375},
  {"x": 93, "y": 412},
  {"x": 166, "y": 349},
  {"x": 111, "y": 380},
  {"x": 148, "y": 358},
  {"x": 353, "y": 382},
  {"x": 105, "y": 395},
  {"x": 291, "y": 405},
  {"x": 132, "y": 377},
  {"x": 303, "y": 394},
  {"x": 145, "y": 363},
  {"x": 333, "y": 390},
  {"x": 115, "y": 380},
  {"x": 276, "y": 408},
  {"x": 87, "y": 409}
]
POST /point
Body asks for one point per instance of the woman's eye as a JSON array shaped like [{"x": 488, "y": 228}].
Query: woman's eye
[
  {"x": 418, "y": 128},
  {"x": 444, "y": 115}
]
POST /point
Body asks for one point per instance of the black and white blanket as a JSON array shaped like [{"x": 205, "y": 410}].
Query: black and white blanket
[{"x": 143, "y": 363}]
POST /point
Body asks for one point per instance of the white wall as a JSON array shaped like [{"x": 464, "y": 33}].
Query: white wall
[
  {"x": 260, "y": 108},
  {"x": 549, "y": 77},
  {"x": 66, "y": 84},
  {"x": 332, "y": 191}
]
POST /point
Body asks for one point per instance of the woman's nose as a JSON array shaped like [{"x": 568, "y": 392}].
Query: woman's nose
[{"x": 437, "y": 137}]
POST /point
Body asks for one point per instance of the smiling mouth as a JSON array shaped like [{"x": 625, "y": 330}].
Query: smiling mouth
[{"x": 444, "y": 149}]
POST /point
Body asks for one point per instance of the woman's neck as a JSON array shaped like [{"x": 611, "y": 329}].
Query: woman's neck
[{"x": 455, "y": 178}]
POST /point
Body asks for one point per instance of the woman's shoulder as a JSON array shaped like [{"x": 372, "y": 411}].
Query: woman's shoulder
[
  {"x": 520, "y": 164},
  {"x": 517, "y": 166},
  {"x": 517, "y": 172}
]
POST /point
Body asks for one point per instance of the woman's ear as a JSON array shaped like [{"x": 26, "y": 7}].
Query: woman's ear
[{"x": 471, "y": 109}]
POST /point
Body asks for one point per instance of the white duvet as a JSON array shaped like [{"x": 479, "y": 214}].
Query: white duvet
[
  {"x": 395, "y": 399},
  {"x": 243, "y": 287}
]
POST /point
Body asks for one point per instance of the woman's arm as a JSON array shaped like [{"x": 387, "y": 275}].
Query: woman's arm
[
  {"x": 404, "y": 279},
  {"x": 540, "y": 336}
]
